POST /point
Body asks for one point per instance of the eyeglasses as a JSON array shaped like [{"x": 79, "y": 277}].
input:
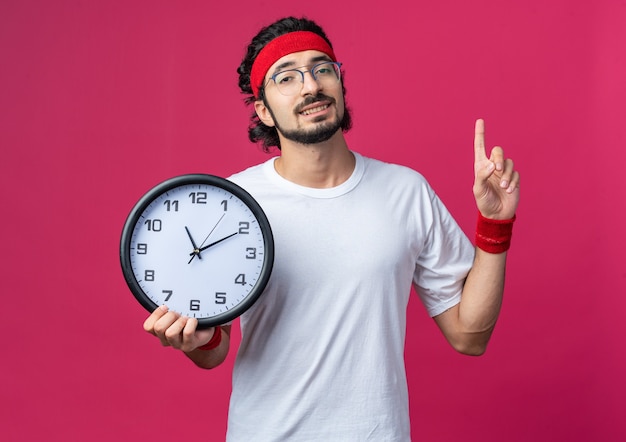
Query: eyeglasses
[{"x": 290, "y": 81}]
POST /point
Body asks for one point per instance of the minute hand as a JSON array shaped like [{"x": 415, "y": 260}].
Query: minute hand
[{"x": 213, "y": 243}]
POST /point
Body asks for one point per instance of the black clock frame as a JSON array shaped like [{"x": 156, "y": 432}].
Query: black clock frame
[{"x": 198, "y": 179}]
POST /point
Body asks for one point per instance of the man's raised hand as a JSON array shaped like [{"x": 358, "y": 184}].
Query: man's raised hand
[{"x": 496, "y": 182}]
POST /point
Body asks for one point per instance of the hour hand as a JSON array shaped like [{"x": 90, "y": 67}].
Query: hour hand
[{"x": 196, "y": 250}]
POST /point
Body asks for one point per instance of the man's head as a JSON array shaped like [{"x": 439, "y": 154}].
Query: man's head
[{"x": 300, "y": 45}]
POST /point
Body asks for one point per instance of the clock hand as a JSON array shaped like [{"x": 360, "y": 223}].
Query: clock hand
[
  {"x": 196, "y": 251},
  {"x": 213, "y": 243},
  {"x": 214, "y": 227}
]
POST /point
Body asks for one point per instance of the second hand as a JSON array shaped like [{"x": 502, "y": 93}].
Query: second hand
[{"x": 205, "y": 239}]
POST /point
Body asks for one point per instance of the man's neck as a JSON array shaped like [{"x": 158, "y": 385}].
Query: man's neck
[{"x": 322, "y": 165}]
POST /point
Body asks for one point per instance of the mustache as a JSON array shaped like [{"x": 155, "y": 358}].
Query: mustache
[{"x": 314, "y": 99}]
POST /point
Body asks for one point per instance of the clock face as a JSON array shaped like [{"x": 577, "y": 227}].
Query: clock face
[{"x": 200, "y": 245}]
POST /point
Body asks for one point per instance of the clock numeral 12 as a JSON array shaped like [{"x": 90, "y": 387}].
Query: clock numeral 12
[{"x": 198, "y": 197}]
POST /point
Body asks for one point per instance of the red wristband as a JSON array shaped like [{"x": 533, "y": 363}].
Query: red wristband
[
  {"x": 494, "y": 235},
  {"x": 215, "y": 340}
]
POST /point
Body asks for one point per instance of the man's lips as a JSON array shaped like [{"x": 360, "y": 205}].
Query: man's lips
[
  {"x": 315, "y": 108},
  {"x": 314, "y": 104}
]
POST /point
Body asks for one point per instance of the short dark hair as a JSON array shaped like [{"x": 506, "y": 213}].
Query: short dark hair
[{"x": 258, "y": 131}]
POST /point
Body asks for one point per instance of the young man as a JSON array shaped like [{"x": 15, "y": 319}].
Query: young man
[{"x": 321, "y": 356}]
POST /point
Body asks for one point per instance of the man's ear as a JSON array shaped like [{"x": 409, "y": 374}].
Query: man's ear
[{"x": 263, "y": 113}]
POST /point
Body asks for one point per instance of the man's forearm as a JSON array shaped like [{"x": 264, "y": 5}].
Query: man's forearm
[
  {"x": 468, "y": 325},
  {"x": 481, "y": 300}
]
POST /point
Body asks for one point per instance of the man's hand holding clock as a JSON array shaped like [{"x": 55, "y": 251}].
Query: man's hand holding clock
[
  {"x": 177, "y": 331},
  {"x": 181, "y": 333}
]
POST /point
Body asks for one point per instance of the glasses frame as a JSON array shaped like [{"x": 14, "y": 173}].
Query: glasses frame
[{"x": 311, "y": 71}]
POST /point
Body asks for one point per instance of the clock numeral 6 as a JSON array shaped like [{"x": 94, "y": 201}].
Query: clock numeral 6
[
  {"x": 194, "y": 305},
  {"x": 220, "y": 298}
]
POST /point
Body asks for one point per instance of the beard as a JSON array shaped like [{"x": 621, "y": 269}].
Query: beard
[
  {"x": 319, "y": 134},
  {"x": 322, "y": 132}
]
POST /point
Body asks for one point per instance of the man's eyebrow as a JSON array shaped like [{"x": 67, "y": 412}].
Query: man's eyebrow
[{"x": 289, "y": 64}]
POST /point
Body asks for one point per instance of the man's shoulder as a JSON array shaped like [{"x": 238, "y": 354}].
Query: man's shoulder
[
  {"x": 251, "y": 174},
  {"x": 392, "y": 171}
]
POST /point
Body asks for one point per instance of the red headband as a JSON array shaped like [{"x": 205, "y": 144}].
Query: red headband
[{"x": 279, "y": 47}]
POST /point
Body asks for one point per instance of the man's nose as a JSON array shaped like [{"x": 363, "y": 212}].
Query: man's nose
[{"x": 310, "y": 86}]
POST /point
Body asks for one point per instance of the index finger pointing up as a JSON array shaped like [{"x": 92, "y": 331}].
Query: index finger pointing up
[{"x": 479, "y": 140}]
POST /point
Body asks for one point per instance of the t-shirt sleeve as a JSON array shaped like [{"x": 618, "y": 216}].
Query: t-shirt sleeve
[{"x": 444, "y": 260}]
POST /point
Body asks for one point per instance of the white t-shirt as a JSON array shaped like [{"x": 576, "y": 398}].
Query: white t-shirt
[{"x": 322, "y": 350}]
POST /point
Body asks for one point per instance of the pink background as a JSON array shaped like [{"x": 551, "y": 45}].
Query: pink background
[{"x": 102, "y": 100}]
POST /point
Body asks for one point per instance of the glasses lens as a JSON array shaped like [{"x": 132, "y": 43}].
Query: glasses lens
[
  {"x": 327, "y": 73},
  {"x": 290, "y": 82}
]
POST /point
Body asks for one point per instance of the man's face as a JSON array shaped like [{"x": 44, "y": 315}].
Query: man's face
[{"x": 311, "y": 116}]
